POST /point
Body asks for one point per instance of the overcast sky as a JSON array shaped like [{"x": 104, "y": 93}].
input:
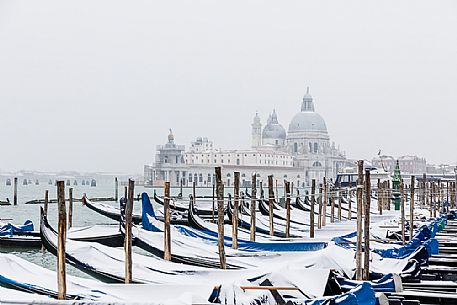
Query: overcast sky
[{"x": 95, "y": 85}]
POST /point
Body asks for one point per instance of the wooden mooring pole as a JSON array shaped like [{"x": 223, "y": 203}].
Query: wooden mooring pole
[
  {"x": 287, "y": 185},
  {"x": 324, "y": 204},
  {"x": 116, "y": 189},
  {"x": 212, "y": 212},
  {"x": 220, "y": 218},
  {"x": 311, "y": 213},
  {"x": 270, "y": 204},
  {"x": 332, "y": 204},
  {"x": 252, "y": 205},
  {"x": 350, "y": 202},
  {"x": 340, "y": 201},
  {"x": 62, "y": 234},
  {"x": 366, "y": 230},
  {"x": 358, "y": 254},
  {"x": 166, "y": 232},
  {"x": 70, "y": 207},
  {"x": 236, "y": 191},
  {"x": 402, "y": 211},
  {"x": 46, "y": 202},
  {"x": 411, "y": 208},
  {"x": 15, "y": 191},
  {"x": 128, "y": 233},
  {"x": 319, "y": 203}
]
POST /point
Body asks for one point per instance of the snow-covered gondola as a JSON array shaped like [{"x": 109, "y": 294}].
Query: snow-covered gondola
[
  {"x": 179, "y": 206},
  {"x": 109, "y": 210}
]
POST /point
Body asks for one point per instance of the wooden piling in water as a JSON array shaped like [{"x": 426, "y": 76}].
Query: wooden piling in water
[
  {"x": 325, "y": 203},
  {"x": 332, "y": 205},
  {"x": 423, "y": 185},
  {"x": 319, "y": 203},
  {"x": 366, "y": 230},
  {"x": 270, "y": 204},
  {"x": 46, "y": 202},
  {"x": 236, "y": 195},
  {"x": 411, "y": 208},
  {"x": 15, "y": 191},
  {"x": 340, "y": 201},
  {"x": 358, "y": 254},
  {"x": 128, "y": 233},
  {"x": 116, "y": 189},
  {"x": 287, "y": 186},
  {"x": 378, "y": 192},
  {"x": 220, "y": 218},
  {"x": 212, "y": 212},
  {"x": 62, "y": 234},
  {"x": 252, "y": 205},
  {"x": 276, "y": 193},
  {"x": 350, "y": 202},
  {"x": 402, "y": 211},
  {"x": 166, "y": 216},
  {"x": 70, "y": 207},
  {"x": 125, "y": 193},
  {"x": 311, "y": 213},
  {"x": 433, "y": 198}
]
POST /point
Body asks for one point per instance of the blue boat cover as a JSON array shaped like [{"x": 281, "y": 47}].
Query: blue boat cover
[
  {"x": 384, "y": 284},
  {"x": 246, "y": 245},
  {"x": 424, "y": 237},
  {"x": 363, "y": 294},
  {"x": 10, "y": 229}
]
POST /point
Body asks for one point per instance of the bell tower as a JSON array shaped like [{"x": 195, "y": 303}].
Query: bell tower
[{"x": 256, "y": 132}]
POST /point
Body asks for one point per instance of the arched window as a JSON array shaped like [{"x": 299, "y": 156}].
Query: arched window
[
  {"x": 195, "y": 178},
  {"x": 209, "y": 178},
  {"x": 310, "y": 147},
  {"x": 200, "y": 178},
  {"x": 317, "y": 164},
  {"x": 316, "y": 148},
  {"x": 237, "y": 161},
  {"x": 190, "y": 178},
  {"x": 295, "y": 147}
]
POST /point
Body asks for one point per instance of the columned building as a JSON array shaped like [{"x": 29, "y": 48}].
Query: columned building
[{"x": 299, "y": 155}]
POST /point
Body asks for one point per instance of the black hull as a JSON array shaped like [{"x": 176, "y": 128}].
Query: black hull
[
  {"x": 20, "y": 242},
  {"x": 182, "y": 208},
  {"x": 264, "y": 210},
  {"x": 110, "y": 241},
  {"x": 114, "y": 216}
]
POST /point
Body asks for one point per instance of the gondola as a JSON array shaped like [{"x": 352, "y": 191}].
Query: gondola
[
  {"x": 20, "y": 241},
  {"x": 109, "y": 211},
  {"x": 277, "y": 212},
  {"x": 183, "y": 207},
  {"x": 49, "y": 239}
]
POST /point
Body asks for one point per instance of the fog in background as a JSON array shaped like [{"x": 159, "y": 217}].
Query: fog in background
[{"x": 95, "y": 85}]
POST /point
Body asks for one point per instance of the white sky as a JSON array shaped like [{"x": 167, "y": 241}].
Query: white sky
[{"x": 95, "y": 85}]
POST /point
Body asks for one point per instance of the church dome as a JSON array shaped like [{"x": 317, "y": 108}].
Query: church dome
[
  {"x": 307, "y": 119},
  {"x": 273, "y": 130}
]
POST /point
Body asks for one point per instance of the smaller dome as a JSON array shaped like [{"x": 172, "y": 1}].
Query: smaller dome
[{"x": 273, "y": 130}]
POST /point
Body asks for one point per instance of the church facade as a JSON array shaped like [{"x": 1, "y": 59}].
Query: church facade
[{"x": 300, "y": 154}]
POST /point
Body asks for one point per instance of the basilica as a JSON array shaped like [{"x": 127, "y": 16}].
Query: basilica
[{"x": 300, "y": 154}]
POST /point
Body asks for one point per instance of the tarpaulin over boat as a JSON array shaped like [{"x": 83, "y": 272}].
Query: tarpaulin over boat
[
  {"x": 363, "y": 294},
  {"x": 10, "y": 229},
  {"x": 388, "y": 283},
  {"x": 211, "y": 236}
]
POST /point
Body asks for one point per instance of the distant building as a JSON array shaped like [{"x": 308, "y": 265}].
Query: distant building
[
  {"x": 299, "y": 155},
  {"x": 408, "y": 164}
]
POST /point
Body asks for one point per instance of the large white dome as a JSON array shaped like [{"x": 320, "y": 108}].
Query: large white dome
[{"x": 307, "y": 121}]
